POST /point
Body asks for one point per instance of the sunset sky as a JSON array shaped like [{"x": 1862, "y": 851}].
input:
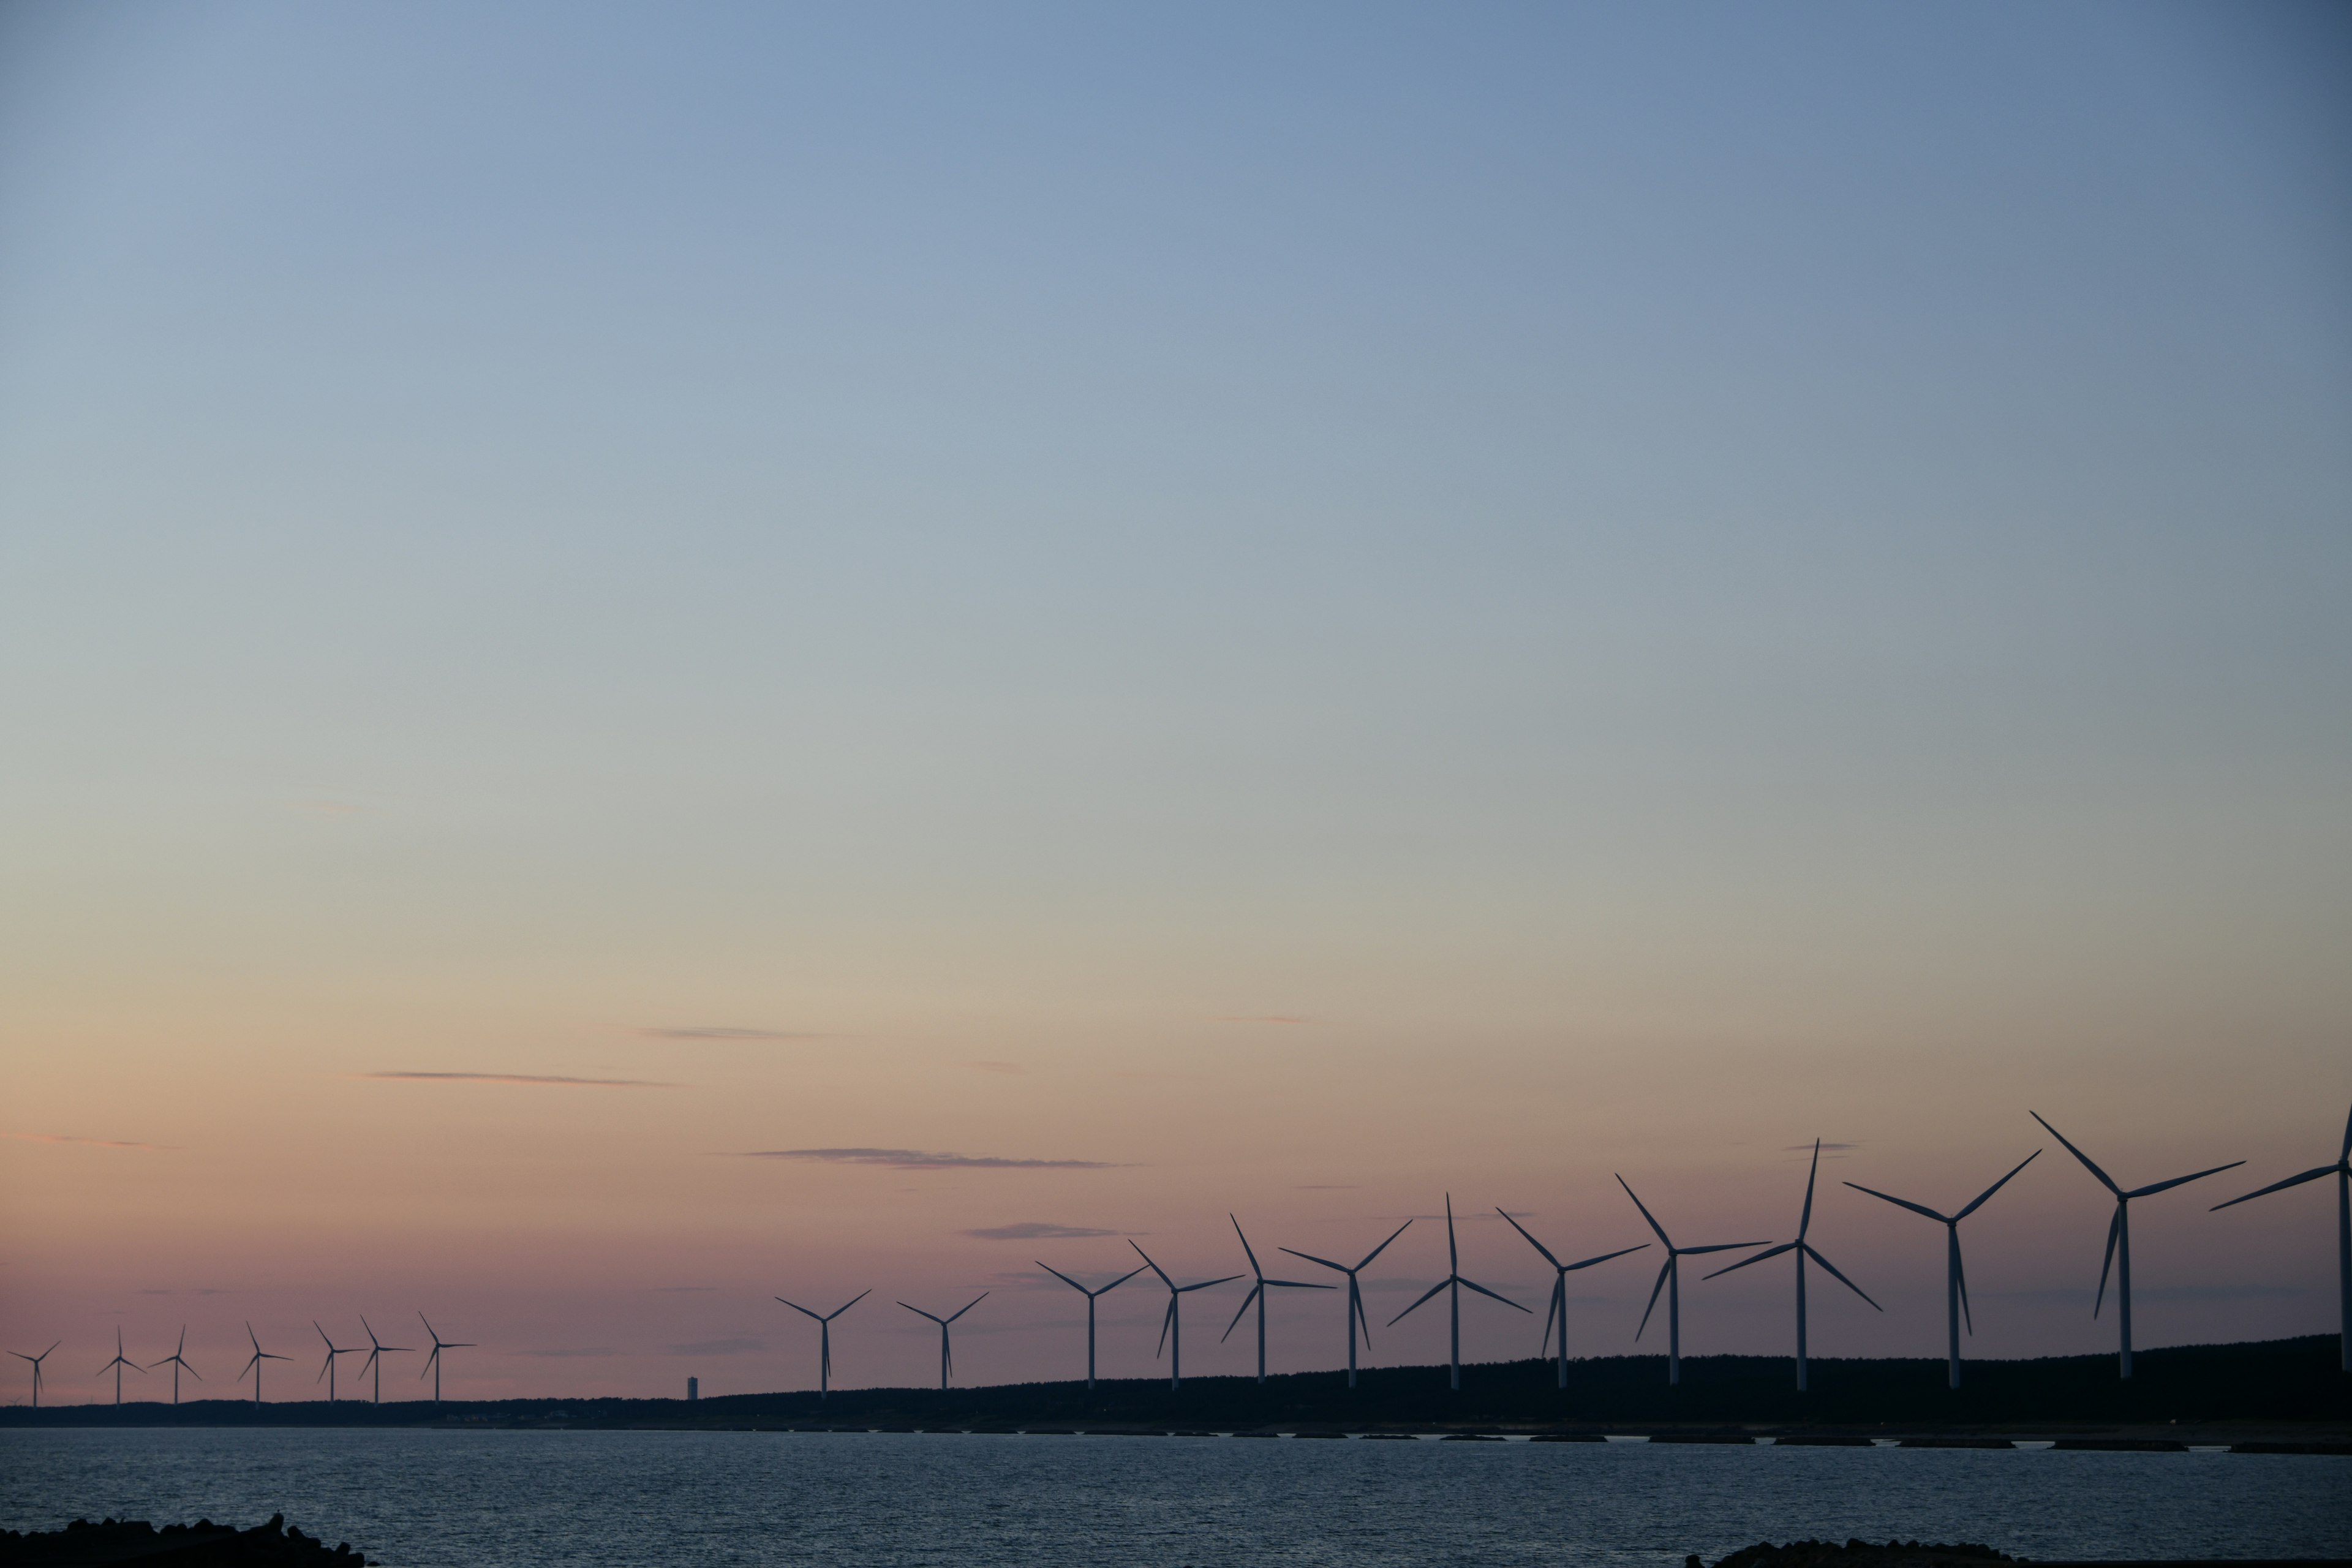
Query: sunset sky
[{"x": 655, "y": 657}]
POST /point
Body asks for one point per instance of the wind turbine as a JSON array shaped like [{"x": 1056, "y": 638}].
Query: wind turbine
[
  {"x": 947, "y": 1359},
  {"x": 433, "y": 1361},
  {"x": 1090, "y": 1296},
  {"x": 1956, "y": 1278},
  {"x": 1560, "y": 1271},
  {"x": 1355, "y": 1294},
  {"x": 1172, "y": 1325},
  {"x": 824, "y": 1336},
  {"x": 37, "y": 1360},
  {"x": 1258, "y": 1294},
  {"x": 376, "y": 1351},
  {"x": 254, "y": 1366},
  {"x": 116, "y": 1366},
  {"x": 2342, "y": 1172},
  {"x": 177, "y": 1362},
  {"x": 1670, "y": 1279},
  {"x": 1803, "y": 1249},
  {"x": 2119, "y": 1237},
  {"x": 1454, "y": 1279},
  {"x": 327, "y": 1370}
]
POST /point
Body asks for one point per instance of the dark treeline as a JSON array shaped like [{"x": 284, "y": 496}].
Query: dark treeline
[{"x": 2279, "y": 1381}]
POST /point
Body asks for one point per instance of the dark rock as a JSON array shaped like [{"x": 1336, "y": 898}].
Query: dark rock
[{"x": 200, "y": 1545}]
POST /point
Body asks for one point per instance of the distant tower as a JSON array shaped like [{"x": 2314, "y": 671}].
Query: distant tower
[{"x": 693, "y": 1389}]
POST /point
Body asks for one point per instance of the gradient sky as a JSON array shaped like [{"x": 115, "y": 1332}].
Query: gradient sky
[{"x": 1273, "y": 609}]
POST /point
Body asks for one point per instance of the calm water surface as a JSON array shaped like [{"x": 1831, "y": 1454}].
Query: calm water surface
[{"x": 489, "y": 1499}]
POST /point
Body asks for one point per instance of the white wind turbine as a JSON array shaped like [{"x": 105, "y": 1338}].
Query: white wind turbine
[
  {"x": 1090, "y": 1296},
  {"x": 1803, "y": 1249},
  {"x": 1171, "y": 1327},
  {"x": 433, "y": 1361},
  {"x": 178, "y": 1362},
  {"x": 1258, "y": 1293},
  {"x": 326, "y": 1370},
  {"x": 1453, "y": 1281},
  {"x": 1560, "y": 1271},
  {"x": 2342, "y": 1172},
  {"x": 377, "y": 1351},
  {"x": 2119, "y": 1237},
  {"x": 825, "y": 1337},
  {"x": 1670, "y": 1279},
  {"x": 947, "y": 1359},
  {"x": 36, "y": 1361},
  {"x": 116, "y": 1366},
  {"x": 1355, "y": 1293},
  {"x": 254, "y": 1366},
  {"x": 1956, "y": 1278}
]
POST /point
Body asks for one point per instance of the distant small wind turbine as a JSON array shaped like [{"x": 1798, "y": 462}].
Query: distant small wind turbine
[
  {"x": 326, "y": 1368},
  {"x": 1090, "y": 1296},
  {"x": 177, "y": 1361},
  {"x": 254, "y": 1366},
  {"x": 37, "y": 1360},
  {"x": 2342, "y": 1172},
  {"x": 1803, "y": 1249},
  {"x": 1560, "y": 1271},
  {"x": 1355, "y": 1293},
  {"x": 433, "y": 1361},
  {"x": 1670, "y": 1279},
  {"x": 1956, "y": 1278},
  {"x": 116, "y": 1366},
  {"x": 946, "y": 1357},
  {"x": 1258, "y": 1293},
  {"x": 377, "y": 1351},
  {"x": 2119, "y": 1237},
  {"x": 824, "y": 1336},
  {"x": 1171, "y": 1327},
  {"x": 1455, "y": 1281}
]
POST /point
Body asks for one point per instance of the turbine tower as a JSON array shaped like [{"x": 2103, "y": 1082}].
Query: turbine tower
[
  {"x": 433, "y": 1361},
  {"x": 1171, "y": 1327},
  {"x": 377, "y": 1351},
  {"x": 824, "y": 1336},
  {"x": 1455, "y": 1281},
  {"x": 327, "y": 1370},
  {"x": 1803, "y": 1249},
  {"x": 116, "y": 1366},
  {"x": 177, "y": 1361},
  {"x": 1355, "y": 1294},
  {"x": 1090, "y": 1296},
  {"x": 1670, "y": 1279},
  {"x": 1956, "y": 1278},
  {"x": 1560, "y": 1271},
  {"x": 947, "y": 1359},
  {"x": 254, "y": 1366},
  {"x": 1258, "y": 1294},
  {"x": 2342, "y": 1172},
  {"x": 37, "y": 1360},
  {"x": 2119, "y": 1237}
]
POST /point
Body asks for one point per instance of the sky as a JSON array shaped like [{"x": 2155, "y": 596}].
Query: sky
[{"x": 651, "y": 659}]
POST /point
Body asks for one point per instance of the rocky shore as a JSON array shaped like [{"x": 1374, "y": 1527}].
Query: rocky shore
[{"x": 203, "y": 1544}]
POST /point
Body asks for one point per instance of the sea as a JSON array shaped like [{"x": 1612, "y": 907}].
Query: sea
[{"x": 420, "y": 1499}]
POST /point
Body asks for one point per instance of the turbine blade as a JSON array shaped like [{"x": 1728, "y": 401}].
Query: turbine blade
[
  {"x": 1645, "y": 1214},
  {"x": 2104, "y": 1180},
  {"x": 2345, "y": 1153},
  {"x": 1589, "y": 1262},
  {"x": 1813, "y": 1253},
  {"x": 1117, "y": 1282},
  {"x": 968, "y": 1306},
  {"x": 1383, "y": 1247},
  {"x": 1720, "y": 1246},
  {"x": 1538, "y": 1245},
  {"x": 430, "y": 1331},
  {"x": 1166, "y": 1319},
  {"x": 1506, "y": 1300},
  {"x": 1062, "y": 1276},
  {"x": 1770, "y": 1252},
  {"x": 1155, "y": 1267},
  {"x": 1355, "y": 1301},
  {"x": 851, "y": 1302},
  {"x": 1246, "y": 1245},
  {"x": 1551, "y": 1308},
  {"x": 2276, "y": 1186},
  {"x": 1298, "y": 1285},
  {"x": 1338, "y": 1268},
  {"x": 803, "y": 1311},
  {"x": 1433, "y": 1291},
  {"x": 1452, "y": 1257},
  {"x": 1961, "y": 1269},
  {"x": 2115, "y": 1226},
  {"x": 918, "y": 1311},
  {"x": 1996, "y": 1186},
  {"x": 2155, "y": 1187},
  {"x": 1254, "y": 1291},
  {"x": 1805, "y": 1220},
  {"x": 1205, "y": 1284},
  {"x": 1663, "y": 1270}
]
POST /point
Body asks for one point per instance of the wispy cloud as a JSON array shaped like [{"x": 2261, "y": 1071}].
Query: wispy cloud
[
  {"x": 728, "y": 1032},
  {"x": 1000, "y": 1066},
  {"x": 1265, "y": 1018},
  {"x": 88, "y": 1143},
  {"x": 1324, "y": 1187},
  {"x": 1037, "y": 1230},
  {"x": 924, "y": 1160},
  {"x": 717, "y": 1347},
  {"x": 568, "y": 1354},
  {"x": 530, "y": 1080}
]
